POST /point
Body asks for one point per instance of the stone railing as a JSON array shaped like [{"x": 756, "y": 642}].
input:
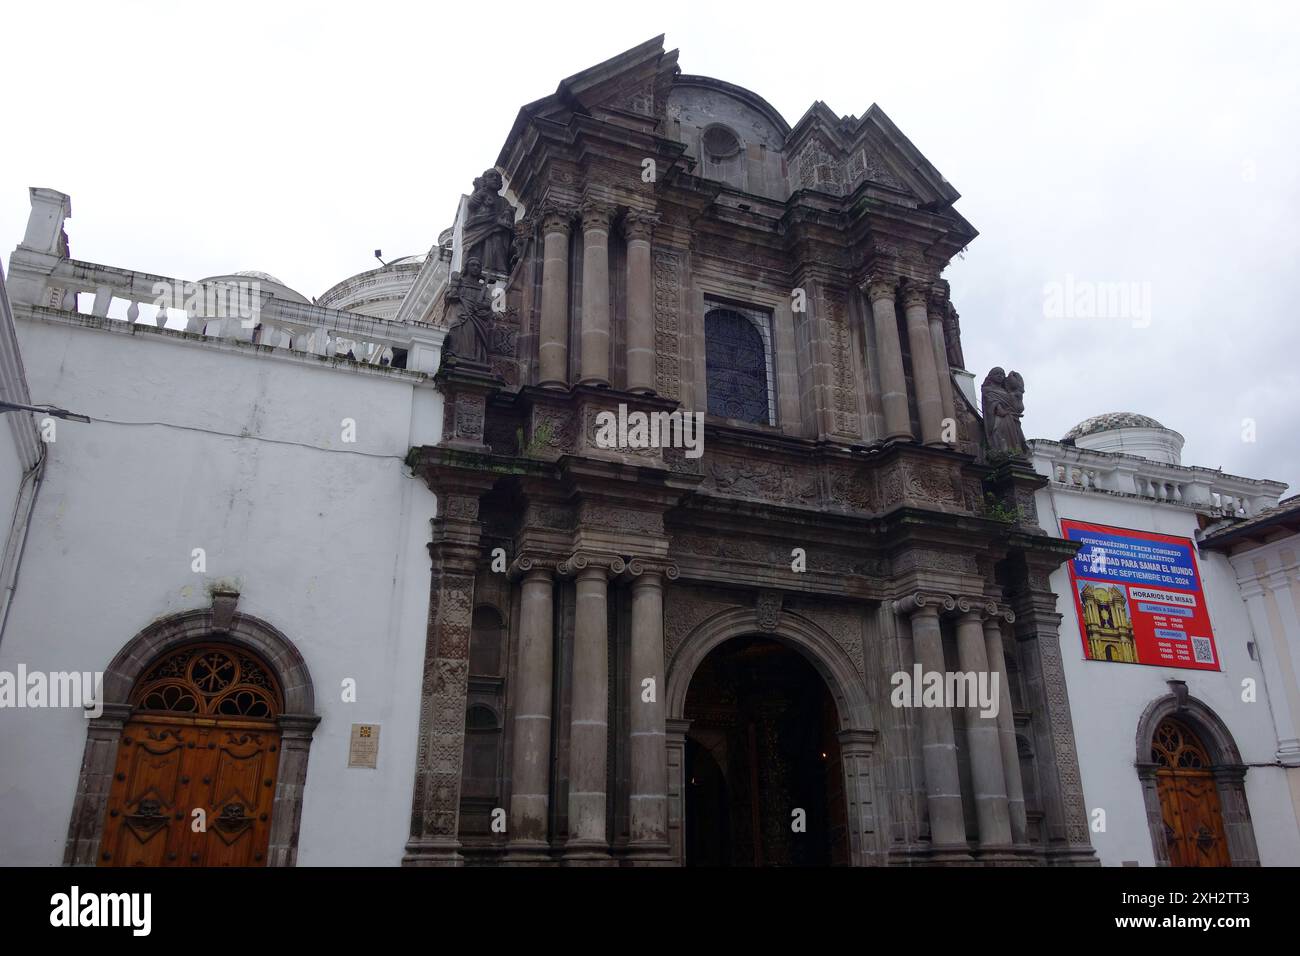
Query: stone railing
[
  {"x": 1206, "y": 490},
  {"x": 228, "y": 308}
]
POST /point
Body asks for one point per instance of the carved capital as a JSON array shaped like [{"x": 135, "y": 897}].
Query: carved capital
[
  {"x": 640, "y": 569},
  {"x": 916, "y": 295},
  {"x": 596, "y": 215},
  {"x": 880, "y": 287},
  {"x": 526, "y": 564},
  {"x": 638, "y": 225},
  {"x": 579, "y": 562},
  {"x": 557, "y": 218},
  {"x": 939, "y": 299},
  {"x": 920, "y": 602}
]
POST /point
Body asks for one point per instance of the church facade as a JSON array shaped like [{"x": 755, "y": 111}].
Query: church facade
[
  {"x": 683, "y": 653},
  {"x": 621, "y": 528}
]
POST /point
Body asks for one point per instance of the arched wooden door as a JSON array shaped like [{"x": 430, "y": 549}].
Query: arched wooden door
[
  {"x": 202, "y": 737},
  {"x": 1189, "y": 799}
]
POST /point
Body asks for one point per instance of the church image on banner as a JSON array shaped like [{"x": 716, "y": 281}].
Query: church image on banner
[{"x": 363, "y": 580}]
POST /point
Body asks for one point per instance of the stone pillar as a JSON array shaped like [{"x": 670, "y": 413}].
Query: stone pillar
[
  {"x": 856, "y": 747},
  {"x": 99, "y": 759},
  {"x": 530, "y": 773},
  {"x": 925, "y": 377},
  {"x": 1055, "y": 756},
  {"x": 553, "y": 334},
  {"x": 589, "y": 710},
  {"x": 937, "y": 311},
  {"x": 675, "y": 737},
  {"x": 648, "y": 838},
  {"x": 595, "y": 294},
  {"x": 638, "y": 227},
  {"x": 290, "y": 782},
  {"x": 938, "y": 747},
  {"x": 1006, "y": 727},
  {"x": 435, "y": 809},
  {"x": 987, "y": 777},
  {"x": 889, "y": 354}
]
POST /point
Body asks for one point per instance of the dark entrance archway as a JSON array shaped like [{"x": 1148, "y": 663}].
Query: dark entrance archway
[{"x": 764, "y": 784}]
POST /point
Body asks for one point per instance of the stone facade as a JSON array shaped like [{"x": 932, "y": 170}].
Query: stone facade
[{"x": 861, "y": 524}]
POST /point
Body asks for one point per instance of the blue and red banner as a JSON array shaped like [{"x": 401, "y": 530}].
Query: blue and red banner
[{"x": 1138, "y": 596}]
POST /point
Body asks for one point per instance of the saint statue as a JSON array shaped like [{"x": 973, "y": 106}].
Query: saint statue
[
  {"x": 488, "y": 232},
  {"x": 469, "y": 340},
  {"x": 1003, "y": 396}
]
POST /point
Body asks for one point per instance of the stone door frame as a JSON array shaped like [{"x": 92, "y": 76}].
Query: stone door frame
[
  {"x": 297, "y": 722},
  {"x": 1226, "y": 765},
  {"x": 857, "y": 734}
]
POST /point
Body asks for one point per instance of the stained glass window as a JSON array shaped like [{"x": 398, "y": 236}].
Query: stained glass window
[{"x": 739, "y": 372}]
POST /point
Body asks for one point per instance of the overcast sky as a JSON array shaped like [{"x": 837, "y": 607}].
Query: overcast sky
[{"x": 1154, "y": 145}]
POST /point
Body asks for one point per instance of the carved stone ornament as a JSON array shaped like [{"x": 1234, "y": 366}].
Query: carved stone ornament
[{"x": 768, "y": 607}]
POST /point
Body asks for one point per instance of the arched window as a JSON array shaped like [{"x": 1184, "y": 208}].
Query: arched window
[{"x": 738, "y": 362}]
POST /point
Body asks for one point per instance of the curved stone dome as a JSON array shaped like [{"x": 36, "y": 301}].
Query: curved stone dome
[
  {"x": 1109, "y": 422},
  {"x": 275, "y": 286}
]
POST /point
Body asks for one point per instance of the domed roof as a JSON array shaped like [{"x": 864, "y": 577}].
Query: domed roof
[
  {"x": 254, "y": 274},
  {"x": 279, "y": 289},
  {"x": 1109, "y": 422}
]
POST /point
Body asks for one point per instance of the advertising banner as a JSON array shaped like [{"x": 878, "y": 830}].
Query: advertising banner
[{"x": 1138, "y": 596}]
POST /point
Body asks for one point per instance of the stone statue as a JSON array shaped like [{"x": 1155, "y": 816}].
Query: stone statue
[
  {"x": 952, "y": 337},
  {"x": 469, "y": 340},
  {"x": 488, "y": 232},
  {"x": 1003, "y": 396}
]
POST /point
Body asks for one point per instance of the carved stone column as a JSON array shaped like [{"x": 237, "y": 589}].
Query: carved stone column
[
  {"x": 435, "y": 807},
  {"x": 938, "y": 746},
  {"x": 987, "y": 777},
  {"x": 938, "y": 309},
  {"x": 889, "y": 353},
  {"x": 589, "y": 709},
  {"x": 1061, "y": 787},
  {"x": 638, "y": 227},
  {"x": 1006, "y": 727},
  {"x": 553, "y": 333},
  {"x": 531, "y": 754},
  {"x": 648, "y": 812},
  {"x": 925, "y": 377},
  {"x": 595, "y": 293}
]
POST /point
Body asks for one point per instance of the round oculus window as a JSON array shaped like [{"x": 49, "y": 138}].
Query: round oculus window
[{"x": 720, "y": 143}]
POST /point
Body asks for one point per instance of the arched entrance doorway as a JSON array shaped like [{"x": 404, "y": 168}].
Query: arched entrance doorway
[
  {"x": 1193, "y": 785},
  {"x": 764, "y": 781},
  {"x": 1189, "y": 800},
  {"x": 196, "y": 766}
]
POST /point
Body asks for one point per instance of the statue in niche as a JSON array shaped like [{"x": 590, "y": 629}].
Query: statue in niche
[
  {"x": 952, "y": 337},
  {"x": 469, "y": 340},
  {"x": 1003, "y": 395},
  {"x": 488, "y": 232}
]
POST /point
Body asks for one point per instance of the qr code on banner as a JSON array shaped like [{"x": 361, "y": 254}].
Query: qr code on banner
[{"x": 1201, "y": 650}]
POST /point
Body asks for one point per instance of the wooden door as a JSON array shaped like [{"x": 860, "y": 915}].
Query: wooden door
[
  {"x": 194, "y": 781},
  {"x": 1189, "y": 799}
]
